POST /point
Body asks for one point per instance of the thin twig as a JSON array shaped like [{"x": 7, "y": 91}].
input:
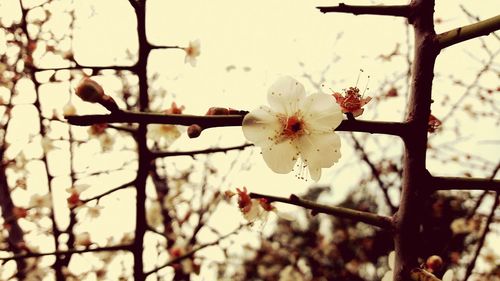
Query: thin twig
[
  {"x": 192, "y": 252},
  {"x": 480, "y": 243},
  {"x": 68, "y": 252},
  {"x": 159, "y": 154},
  {"x": 375, "y": 172},
  {"x": 360, "y": 216},
  {"x": 389, "y": 10},
  {"x": 97, "y": 197}
]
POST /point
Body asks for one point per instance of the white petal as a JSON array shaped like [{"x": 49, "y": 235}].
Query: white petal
[
  {"x": 321, "y": 112},
  {"x": 285, "y": 94},
  {"x": 260, "y": 126},
  {"x": 392, "y": 259},
  {"x": 319, "y": 150},
  {"x": 315, "y": 173},
  {"x": 448, "y": 275},
  {"x": 388, "y": 276},
  {"x": 280, "y": 157}
]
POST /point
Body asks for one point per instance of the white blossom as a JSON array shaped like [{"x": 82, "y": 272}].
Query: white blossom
[
  {"x": 295, "y": 126},
  {"x": 192, "y": 51},
  {"x": 40, "y": 201}
]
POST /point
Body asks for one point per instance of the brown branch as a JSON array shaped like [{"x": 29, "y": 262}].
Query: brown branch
[
  {"x": 447, "y": 183},
  {"x": 359, "y": 216},
  {"x": 375, "y": 172},
  {"x": 158, "y": 154},
  {"x": 97, "y": 197},
  {"x": 83, "y": 67},
  {"x": 408, "y": 219},
  {"x": 193, "y": 251},
  {"x": 390, "y": 10},
  {"x": 480, "y": 243},
  {"x": 156, "y": 47},
  {"x": 373, "y": 127},
  {"x": 467, "y": 32},
  {"x": 68, "y": 252}
]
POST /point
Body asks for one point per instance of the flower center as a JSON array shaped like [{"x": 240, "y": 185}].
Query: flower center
[{"x": 293, "y": 127}]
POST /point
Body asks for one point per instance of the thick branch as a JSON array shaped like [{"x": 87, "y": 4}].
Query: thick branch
[
  {"x": 365, "y": 217},
  {"x": 392, "y": 10},
  {"x": 467, "y": 32},
  {"x": 158, "y": 154},
  {"x": 373, "y": 127},
  {"x": 447, "y": 183},
  {"x": 68, "y": 252}
]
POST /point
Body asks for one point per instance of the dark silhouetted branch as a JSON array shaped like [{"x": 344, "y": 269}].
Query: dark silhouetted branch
[
  {"x": 158, "y": 154},
  {"x": 447, "y": 183},
  {"x": 375, "y": 172},
  {"x": 467, "y": 32},
  {"x": 68, "y": 252},
  {"x": 373, "y": 127},
  {"x": 97, "y": 197},
  {"x": 193, "y": 251},
  {"x": 359, "y": 216},
  {"x": 392, "y": 10},
  {"x": 480, "y": 243}
]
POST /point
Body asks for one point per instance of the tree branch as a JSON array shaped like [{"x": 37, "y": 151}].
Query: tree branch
[
  {"x": 480, "y": 244},
  {"x": 467, "y": 32},
  {"x": 447, "y": 183},
  {"x": 158, "y": 154},
  {"x": 192, "y": 252},
  {"x": 97, "y": 197},
  {"x": 68, "y": 252},
  {"x": 390, "y": 10},
  {"x": 375, "y": 173},
  {"x": 360, "y": 216},
  {"x": 373, "y": 127}
]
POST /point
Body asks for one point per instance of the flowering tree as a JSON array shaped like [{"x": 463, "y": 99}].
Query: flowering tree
[{"x": 294, "y": 128}]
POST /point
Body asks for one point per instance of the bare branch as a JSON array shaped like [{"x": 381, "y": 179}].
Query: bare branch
[
  {"x": 467, "y": 32},
  {"x": 193, "y": 251},
  {"x": 480, "y": 244},
  {"x": 447, "y": 183},
  {"x": 373, "y": 127},
  {"x": 158, "y": 154},
  {"x": 375, "y": 172},
  {"x": 390, "y": 10},
  {"x": 83, "y": 67},
  {"x": 360, "y": 216},
  {"x": 68, "y": 252},
  {"x": 97, "y": 197}
]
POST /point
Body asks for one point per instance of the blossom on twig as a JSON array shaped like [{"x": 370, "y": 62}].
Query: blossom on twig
[
  {"x": 295, "y": 126},
  {"x": 192, "y": 51}
]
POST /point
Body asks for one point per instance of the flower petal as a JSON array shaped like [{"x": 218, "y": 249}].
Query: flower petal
[
  {"x": 260, "y": 126},
  {"x": 314, "y": 172},
  {"x": 448, "y": 275},
  {"x": 285, "y": 94},
  {"x": 321, "y": 112},
  {"x": 320, "y": 150},
  {"x": 280, "y": 157}
]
